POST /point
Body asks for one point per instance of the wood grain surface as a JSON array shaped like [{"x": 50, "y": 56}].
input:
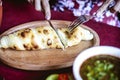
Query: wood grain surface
[{"x": 46, "y": 59}]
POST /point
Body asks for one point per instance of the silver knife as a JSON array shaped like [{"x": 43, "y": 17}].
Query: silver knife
[{"x": 56, "y": 32}]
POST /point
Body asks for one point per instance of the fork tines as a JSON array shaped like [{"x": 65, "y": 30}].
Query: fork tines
[{"x": 81, "y": 19}]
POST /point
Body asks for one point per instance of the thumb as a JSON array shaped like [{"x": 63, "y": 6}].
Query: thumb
[{"x": 38, "y": 5}]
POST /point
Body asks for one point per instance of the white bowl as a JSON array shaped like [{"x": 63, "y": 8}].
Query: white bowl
[{"x": 108, "y": 50}]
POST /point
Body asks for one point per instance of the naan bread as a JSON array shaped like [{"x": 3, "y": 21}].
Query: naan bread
[
  {"x": 44, "y": 38},
  {"x": 75, "y": 37}
]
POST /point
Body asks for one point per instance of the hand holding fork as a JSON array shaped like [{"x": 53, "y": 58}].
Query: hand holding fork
[{"x": 84, "y": 18}]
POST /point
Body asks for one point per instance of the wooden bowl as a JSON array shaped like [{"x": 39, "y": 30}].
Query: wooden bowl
[{"x": 46, "y": 59}]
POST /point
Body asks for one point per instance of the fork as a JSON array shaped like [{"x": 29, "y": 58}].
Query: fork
[
  {"x": 84, "y": 18},
  {"x": 81, "y": 19}
]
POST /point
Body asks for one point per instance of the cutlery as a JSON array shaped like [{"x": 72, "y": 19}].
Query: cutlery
[{"x": 84, "y": 18}]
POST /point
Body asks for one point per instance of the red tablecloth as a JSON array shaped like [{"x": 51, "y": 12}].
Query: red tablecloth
[{"x": 18, "y": 12}]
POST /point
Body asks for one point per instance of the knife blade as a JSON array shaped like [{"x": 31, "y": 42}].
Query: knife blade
[{"x": 51, "y": 25}]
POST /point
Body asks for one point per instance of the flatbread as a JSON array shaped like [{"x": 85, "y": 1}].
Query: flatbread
[{"x": 44, "y": 37}]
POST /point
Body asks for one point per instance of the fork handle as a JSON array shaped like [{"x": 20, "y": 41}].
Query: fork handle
[{"x": 101, "y": 10}]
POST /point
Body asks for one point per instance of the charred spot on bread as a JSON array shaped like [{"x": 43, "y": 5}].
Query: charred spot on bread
[
  {"x": 60, "y": 28},
  {"x": 74, "y": 36},
  {"x": 34, "y": 46},
  {"x": 26, "y": 46},
  {"x": 14, "y": 47},
  {"x": 72, "y": 32},
  {"x": 66, "y": 32},
  {"x": 55, "y": 37},
  {"x": 58, "y": 47},
  {"x": 45, "y": 31},
  {"x": 24, "y": 33},
  {"x": 39, "y": 31},
  {"x": 32, "y": 37},
  {"x": 49, "y": 42}
]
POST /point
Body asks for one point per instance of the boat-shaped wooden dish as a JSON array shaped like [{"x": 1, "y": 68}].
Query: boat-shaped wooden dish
[{"x": 46, "y": 59}]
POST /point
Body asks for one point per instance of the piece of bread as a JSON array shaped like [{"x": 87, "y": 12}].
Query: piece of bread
[{"x": 44, "y": 38}]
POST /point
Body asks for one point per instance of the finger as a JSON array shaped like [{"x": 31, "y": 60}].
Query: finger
[
  {"x": 38, "y": 5},
  {"x": 117, "y": 6},
  {"x": 30, "y": 1},
  {"x": 103, "y": 7},
  {"x": 46, "y": 7}
]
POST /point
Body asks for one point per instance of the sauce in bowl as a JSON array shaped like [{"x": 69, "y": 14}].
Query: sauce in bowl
[{"x": 101, "y": 67}]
